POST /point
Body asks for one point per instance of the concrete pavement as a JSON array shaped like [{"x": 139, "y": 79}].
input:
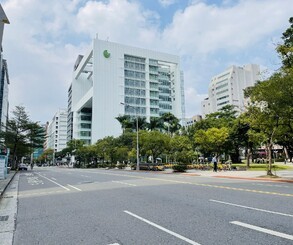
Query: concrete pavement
[
  {"x": 5, "y": 182},
  {"x": 283, "y": 176}
]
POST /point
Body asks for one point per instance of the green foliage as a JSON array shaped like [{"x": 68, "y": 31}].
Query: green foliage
[
  {"x": 285, "y": 50},
  {"x": 212, "y": 140},
  {"x": 179, "y": 167},
  {"x": 181, "y": 149},
  {"x": 153, "y": 142},
  {"x": 21, "y": 135}
]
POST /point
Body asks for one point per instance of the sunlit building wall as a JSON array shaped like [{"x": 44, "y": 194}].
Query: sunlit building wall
[
  {"x": 112, "y": 80},
  {"x": 57, "y": 131},
  {"x": 227, "y": 88},
  {"x": 4, "y": 78}
]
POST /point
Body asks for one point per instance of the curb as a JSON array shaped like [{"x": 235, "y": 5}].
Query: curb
[
  {"x": 262, "y": 179},
  {"x": 7, "y": 184}
]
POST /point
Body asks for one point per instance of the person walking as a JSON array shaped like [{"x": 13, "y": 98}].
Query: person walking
[{"x": 214, "y": 161}]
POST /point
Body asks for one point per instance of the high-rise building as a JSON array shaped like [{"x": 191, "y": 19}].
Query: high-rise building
[
  {"x": 227, "y": 88},
  {"x": 57, "y": 131},
  {"x": 112, "y": 80},
  {"x": 4, "y": 78}
]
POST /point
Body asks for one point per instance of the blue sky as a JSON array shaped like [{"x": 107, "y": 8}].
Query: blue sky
[{"x": 44, "y": 38}]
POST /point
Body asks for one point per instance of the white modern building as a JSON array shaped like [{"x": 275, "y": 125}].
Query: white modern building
[
  {"x": 4, "y": 78},
  {"x": 112, "y": 80},
  {"x": 57, "y": 131},
  {"x": 227, "y": 88}
]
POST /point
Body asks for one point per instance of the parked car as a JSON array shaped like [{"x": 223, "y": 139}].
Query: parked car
[{"x": 22, "y": 166}]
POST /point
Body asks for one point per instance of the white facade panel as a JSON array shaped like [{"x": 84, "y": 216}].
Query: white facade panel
[
  {"x": 57, "y": 131},
  {"x": 110, "y": 78},
  {"x": 227, "y": 88}
]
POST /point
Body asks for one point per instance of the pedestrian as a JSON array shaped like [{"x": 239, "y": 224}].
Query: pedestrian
[{"x": 214, "y": 161}]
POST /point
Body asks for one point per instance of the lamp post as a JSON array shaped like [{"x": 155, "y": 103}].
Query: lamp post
[{"x": 137, "y": 146}]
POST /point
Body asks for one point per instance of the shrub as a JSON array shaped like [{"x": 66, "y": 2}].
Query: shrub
[{"x": 179, "y": 167}]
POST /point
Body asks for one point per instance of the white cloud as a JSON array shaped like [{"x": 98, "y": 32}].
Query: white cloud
[
  {"x": 166, "y": 3},
  {"x": 45, "y": 37}
]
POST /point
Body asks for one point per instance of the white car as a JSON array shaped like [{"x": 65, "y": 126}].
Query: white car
[{"x": 22, "y": 166}]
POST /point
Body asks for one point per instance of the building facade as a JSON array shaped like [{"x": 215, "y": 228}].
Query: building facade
[
  {"x": 190, "y": 121},
  {"x": 57, "y": 131},
  {"x": 4, "y": 78},
  {"x": 112, "y": 80},
  {"x": 227, "y": 88}
]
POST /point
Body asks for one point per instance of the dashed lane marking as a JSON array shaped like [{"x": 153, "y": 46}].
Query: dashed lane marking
[
  {"x": 162, "y": 228},
  {"x": 251, "y": 208},
  {"x": 264, "y": 230}
]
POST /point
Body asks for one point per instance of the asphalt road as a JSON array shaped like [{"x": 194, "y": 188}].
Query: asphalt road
[{"x": 90, "y": 206}]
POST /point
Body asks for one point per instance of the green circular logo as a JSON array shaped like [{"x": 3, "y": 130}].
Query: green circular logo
[{"x": 106, "y": 54}]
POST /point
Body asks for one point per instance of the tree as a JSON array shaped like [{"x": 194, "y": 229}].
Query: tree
[
  {"x": 285, "y": 50},
  {"x": 47, "y": 155},
  {"x": 212, "y": 140},
  {"x": 170, "y": 123},
  {"x": 125, "y": 121},
  {"x": 271, "y": 108},
  {"x": 21, "y": 134},
  {"x": 155, "y": 123},
  {"x": 181, "y": 149},
  {"x": 153, "y": 142}
]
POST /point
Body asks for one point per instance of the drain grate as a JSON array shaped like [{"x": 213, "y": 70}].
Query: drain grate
[{"x": 4, "y": 218}]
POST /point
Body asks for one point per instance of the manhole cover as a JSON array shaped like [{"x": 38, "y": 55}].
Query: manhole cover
[{"x": 4, "y": 218}]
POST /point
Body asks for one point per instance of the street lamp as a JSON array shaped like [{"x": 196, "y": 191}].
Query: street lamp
[{"x": 137, "y": 146}]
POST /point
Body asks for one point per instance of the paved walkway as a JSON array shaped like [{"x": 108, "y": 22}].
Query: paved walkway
[{"x": 5, "y": 182}]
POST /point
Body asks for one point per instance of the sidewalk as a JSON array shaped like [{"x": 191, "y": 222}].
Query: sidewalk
[
  {"x": 283, "y": 175},
  {"x": 5, "y": 182}
]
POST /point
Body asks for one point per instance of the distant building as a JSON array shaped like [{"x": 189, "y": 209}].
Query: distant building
[
  {"x": 193, "y": 120},
  {"x": 4, "y": 78},
  {"x": 227, "y": 88},
  {"x": 112, "y": 80},
  {"x": 57, "y": 131}
]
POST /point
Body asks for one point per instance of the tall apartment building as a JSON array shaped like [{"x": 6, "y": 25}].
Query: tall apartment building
[
  {"x": 4, "y": 78},
  {"x": 57, "y": 131},
  {"x": 113, "y": 80},
  {"x": 227, "y": 88}
]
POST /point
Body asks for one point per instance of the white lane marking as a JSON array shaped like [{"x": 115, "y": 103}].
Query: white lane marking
[
  {"x": 257, "y": 209},
  {"x": 54, "y": 182},
  {"x": 257, "y": 228},
  {"x": 114, "y": 244},
  {"x": 53, "y": 178},
  {"x": 162, "y": 228},
  {"x": 124, "y": 183},
  {"x": 74, "y": 187},
  {"x": 85, "y": 176}
]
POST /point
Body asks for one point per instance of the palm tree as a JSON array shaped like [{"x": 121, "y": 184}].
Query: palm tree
[
  {"x": 125, "y": 121},
  {"x": 171, "y": 123},
  {"x": 155, "y": 123}
]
